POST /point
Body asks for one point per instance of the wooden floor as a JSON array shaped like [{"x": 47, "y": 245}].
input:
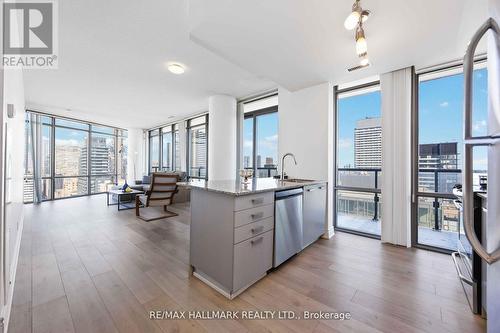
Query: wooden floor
[{"x": 85, "y": 267}]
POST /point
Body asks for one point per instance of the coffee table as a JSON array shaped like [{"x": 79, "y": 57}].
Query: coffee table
[{"x": 123, "y": 204}]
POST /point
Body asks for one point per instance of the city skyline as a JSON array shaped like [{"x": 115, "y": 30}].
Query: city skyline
[{"x": 440, "y": 115}]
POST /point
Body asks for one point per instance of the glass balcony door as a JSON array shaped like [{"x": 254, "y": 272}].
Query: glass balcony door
[
  {"x": 358, "y": 164},
  {"x": 438, "y": 131}
]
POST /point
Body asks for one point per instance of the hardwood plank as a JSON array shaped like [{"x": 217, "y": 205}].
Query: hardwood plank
[
  {"x": 143, "y": 288},
  {"x": 47, "y": 284},
  {"x": 93, "y": 260},
  {"x": 53, "y": 316},
  {"x": 127, "y": 313},
  {"x": 88, "y": 310}
]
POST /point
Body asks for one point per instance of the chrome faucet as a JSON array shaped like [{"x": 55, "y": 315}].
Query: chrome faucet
[{"x": 283, "y": 164}]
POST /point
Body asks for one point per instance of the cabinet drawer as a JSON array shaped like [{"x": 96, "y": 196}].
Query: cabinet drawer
[
  {"x": 253, "y": 200},
  {"x": 253, "y": 229},
  {"x": 252, "y": 259},
  {"x": 252, "y": 215}
]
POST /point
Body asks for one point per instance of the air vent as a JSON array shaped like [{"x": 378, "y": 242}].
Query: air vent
[{"x": 357, "y": 67}]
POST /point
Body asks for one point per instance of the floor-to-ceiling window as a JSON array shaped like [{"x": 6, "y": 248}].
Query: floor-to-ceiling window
[
  {"x": 154, "y": 150},
  {"x": 102, "y": 158},
  {"x": 260, "y": 137},
  {"x": 359, "y": 159},
  {"x": 177, "y": 148},
  {"x": 73, "y": 158},
  {"x": 167, "y": 148},
  {"x": 197, "y": 153},
  {"x": 439, "y": 151},
  {"x": 164, "y": 150}
]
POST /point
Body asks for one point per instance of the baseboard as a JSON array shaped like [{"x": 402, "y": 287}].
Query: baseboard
[
  {"x": 329, "y": 233},
  {"x": 8, "y": 307}
]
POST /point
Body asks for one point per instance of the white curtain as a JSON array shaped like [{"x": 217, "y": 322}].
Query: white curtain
[{"x": 396, "y": 156}]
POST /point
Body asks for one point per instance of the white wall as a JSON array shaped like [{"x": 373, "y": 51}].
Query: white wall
[
  {"x": 222, "y": 139},
  {"x": 306, "y": 130},
  {"x": 136, "y": 155},
  {"x": 13, "y": 145}
]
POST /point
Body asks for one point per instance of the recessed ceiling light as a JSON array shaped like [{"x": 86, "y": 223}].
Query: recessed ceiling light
[{"x": 176, "y": 68}]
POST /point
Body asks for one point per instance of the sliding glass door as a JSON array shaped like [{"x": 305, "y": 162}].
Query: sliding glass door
[
  {"x": 438, "y": 150},
  {"x": 359, "y": 160}
]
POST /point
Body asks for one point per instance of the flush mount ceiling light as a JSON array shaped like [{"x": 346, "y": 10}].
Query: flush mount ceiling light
[
  {"x": 355, "y": 20},
  {"x": 176, "y": 68},
  {"x": 357, "y": 15}
]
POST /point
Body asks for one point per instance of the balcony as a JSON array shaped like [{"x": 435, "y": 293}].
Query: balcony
[{"x": 359, "y": 204}]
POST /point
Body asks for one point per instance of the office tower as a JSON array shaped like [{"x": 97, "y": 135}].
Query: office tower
[
  {"x": 438, "y": 156},
  {"x": 368, "y": 143},
  {"x": 246, "y": 162}
]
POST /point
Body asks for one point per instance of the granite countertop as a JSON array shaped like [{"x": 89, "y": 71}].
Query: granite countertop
[{"x": 256, "y": 185}]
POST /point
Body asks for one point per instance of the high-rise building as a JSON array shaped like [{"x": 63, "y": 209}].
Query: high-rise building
[
  {"x": 368, "y": 143},
  {"x": 438, "y": 156},
  {"x": 246, "y": 162}
]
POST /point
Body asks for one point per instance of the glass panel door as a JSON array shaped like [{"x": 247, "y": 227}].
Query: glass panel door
[{"x": 359, "y": 160}]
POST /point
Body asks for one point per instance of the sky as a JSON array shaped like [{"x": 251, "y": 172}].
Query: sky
[{"x": 440, "y": 115}]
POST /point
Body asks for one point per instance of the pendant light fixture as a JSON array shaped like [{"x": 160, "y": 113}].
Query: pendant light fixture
[
  {"x": 357, "y": 14},
  {"x": 355, "y": 20},
  {"x": 361, "y": 46}
]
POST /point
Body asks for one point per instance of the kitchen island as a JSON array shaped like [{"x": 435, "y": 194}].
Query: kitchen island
[{"x": 232, "y": 233}]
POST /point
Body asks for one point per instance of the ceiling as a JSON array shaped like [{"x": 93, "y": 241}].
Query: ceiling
[
  {"x": 112, "y": 57},
  {"x": 299, "y": 43},
  {"x": 112, "y": 54}
]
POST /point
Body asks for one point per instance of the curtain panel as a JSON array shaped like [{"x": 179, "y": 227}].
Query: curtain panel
[{"x": 396, "y": 89}]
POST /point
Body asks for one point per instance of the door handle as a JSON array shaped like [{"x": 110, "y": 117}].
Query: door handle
[{"x": 470, "y": 142}]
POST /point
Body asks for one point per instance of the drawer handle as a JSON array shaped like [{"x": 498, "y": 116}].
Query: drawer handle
[
  {"x": 257, "y": 201},
  {"x": 257, "y": 230},
  {"x": 257, "y": 240},
  {"x": 257, "y": 215},
  {"x": 313, "y": 189}
]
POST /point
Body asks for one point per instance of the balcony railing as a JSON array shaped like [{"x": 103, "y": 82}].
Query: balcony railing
[
  {"x": 263, "y": 172},
  {"x": 434, "y": 183}
]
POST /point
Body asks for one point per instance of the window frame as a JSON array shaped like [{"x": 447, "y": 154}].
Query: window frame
[
  {"x": 254, "y": 115},
  {"x": 435, "y": 73},
  {"x": 189, "y": 128},
  {"x": 355, "y": 90},
  {"x": 117, "y": 132},
  {"x": 174, "y": 131}
]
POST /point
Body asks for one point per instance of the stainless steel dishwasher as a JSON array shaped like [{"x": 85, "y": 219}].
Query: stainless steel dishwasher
[{"x": 288, "y": 226}]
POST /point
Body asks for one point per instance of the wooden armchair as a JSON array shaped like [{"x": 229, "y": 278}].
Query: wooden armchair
[{"x": 161, "y": 193}]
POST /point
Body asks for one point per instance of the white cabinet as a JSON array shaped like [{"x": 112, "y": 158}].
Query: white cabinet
[{"x": 231, "y": 245}]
